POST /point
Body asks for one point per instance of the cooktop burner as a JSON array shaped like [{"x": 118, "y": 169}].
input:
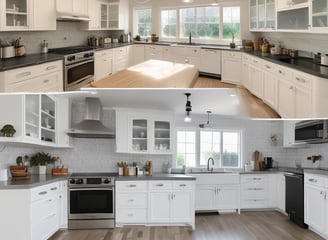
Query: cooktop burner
[{"x": 70, "y": 50}]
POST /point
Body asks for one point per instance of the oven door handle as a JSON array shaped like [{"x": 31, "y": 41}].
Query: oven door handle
[
  {"x": 79, "y": 63},
  {"x": 293, "y": 175},
  {"x": 91, "y": 189},
  {"x": 83, "y": 79}
]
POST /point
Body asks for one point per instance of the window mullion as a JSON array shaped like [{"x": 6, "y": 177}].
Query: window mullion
[{"x": 221, "y": 148}]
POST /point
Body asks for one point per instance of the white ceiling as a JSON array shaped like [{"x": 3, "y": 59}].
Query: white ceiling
[{"x": 220, "y": 101}]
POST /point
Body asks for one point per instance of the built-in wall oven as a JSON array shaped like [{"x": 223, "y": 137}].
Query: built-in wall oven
[
  {"x": 78, "y": 66},
  {"x": 91, "y": 201}
]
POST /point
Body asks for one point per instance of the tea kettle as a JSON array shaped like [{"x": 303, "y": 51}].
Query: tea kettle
[{"x": 44, "y": 47}]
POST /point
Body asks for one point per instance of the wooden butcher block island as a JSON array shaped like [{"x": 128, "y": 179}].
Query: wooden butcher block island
[{"x": 152, "y": 74}]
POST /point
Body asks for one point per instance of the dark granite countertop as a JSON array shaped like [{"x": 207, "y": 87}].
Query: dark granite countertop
[
  {"x": 317, "y": 171},
  {"x": 300, "y": 63},
  {"x": 156, "y": 176},
  {"x": 112, "y": 45},
  {"x": 28, "y": 60},
  {"x": 34, "y": 181}
]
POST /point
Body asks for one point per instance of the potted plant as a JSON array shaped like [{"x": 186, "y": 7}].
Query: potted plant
[
  {"x": 8, "y": 130},
  {"x": 42, "y": 159}
]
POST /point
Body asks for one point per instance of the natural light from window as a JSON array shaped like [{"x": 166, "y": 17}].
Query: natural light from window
[{"x": 143, "y": 22}]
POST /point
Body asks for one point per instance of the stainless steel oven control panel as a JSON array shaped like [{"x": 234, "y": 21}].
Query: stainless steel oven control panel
[{"x": 74, "y": 181}]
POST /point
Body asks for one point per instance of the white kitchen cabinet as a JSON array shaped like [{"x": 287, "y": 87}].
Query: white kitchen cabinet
[
  {"x": 281, "y": 192},
  {"x": 289, "y": 134},
  {"x": 288, "y": 5},
  {"x": 186, "y": 54},
  {"x": 231, "y": 67},
  {"x": 270, "y": 84},
  {"x": 217, "y": 192},
  {"x": 294, "y": 18},
  {"x": 74, "y": 7},
  {"x": 144, "y": 132},
  {"x": 38, "y": 119},
  {"x": 319, "y": 15},
  {"x": 63, "y": 208},
  {"x": 138, "y": 54},
  {"x": 255, "y": 191},
  {"x": 171, "y": 202},
  {"x": 262, "y": 15},
  {"x": 103, "y": 63},
  {"x": 153, "y": 52},
  {"x": 94, "y": 15},
  {"x": 46, "y": 77},
  {"x": 315, "y": 202},
  {"x": 35, "y": 211},
  {"x": 45, "y": 19},
  {"x": 256, "y": 77},
  {"x": 210, "y": 61},
  {"x": 245, "y": 69},
  {"x": 121, "y": 58}
]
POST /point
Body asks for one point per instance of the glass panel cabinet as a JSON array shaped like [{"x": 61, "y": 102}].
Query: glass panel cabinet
[
  {"x": 48, "y": 119},
  {"x": 262, "y": 15},
  {"x": 162, "y": 136},
  {"x": 139, "y": 135},
  {"x": 319, "y": 13},
  {"x": 32, "y": 117},
  {"x": 16, "y": 13}
]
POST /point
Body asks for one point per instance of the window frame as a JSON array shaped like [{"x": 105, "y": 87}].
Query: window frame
[
  {"x": 197, "y": 142},
  {"x": 135, "y": 23},
  {"x": 198, "y": 40}
]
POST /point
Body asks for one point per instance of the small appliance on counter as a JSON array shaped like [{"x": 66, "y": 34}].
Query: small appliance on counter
[
  {"x": 8, "y": 51},
  {"x": 44, "y": 47},
  {"x": 324, "y": 59},
  {"x": 267, "y": 163},
  {"x": 20, "y": 50}
]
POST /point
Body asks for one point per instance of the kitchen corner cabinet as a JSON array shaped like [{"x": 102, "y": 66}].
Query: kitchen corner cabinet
[
  {"x": 34, "y": 211},
  {"x": 231, "y": 67},
  {"x": 144, "y": 132},
  {"x": 39, "y": 119}
]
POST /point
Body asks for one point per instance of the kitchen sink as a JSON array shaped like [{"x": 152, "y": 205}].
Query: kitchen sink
[{"x": 205, "y": 171}]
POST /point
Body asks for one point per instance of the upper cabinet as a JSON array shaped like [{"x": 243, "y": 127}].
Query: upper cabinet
[
  {"x": 39, "y": 119},
  {"x": 262, "y": 15},
  {"x": 291, "y": 4},
  {"x": 25, "y": 15},
  {"x": 144, "y": 132},
  {"x": 77, "y": 7},
  {"x": 319, "y": 14}
]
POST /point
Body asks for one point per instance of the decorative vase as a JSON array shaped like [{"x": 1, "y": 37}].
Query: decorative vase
[{"x": 42, "y": 169}]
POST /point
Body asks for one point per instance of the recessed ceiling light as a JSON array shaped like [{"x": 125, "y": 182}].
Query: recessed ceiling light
[
  {"x": 187, "y": 1},
  {"x": 232, "y": 95}
]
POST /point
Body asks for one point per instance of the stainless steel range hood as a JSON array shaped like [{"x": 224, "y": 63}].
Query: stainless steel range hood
[
  {"x": 68, "y": 16},
  {"x": 91, "y": 126}
]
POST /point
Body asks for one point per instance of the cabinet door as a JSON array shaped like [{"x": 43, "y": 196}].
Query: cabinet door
[
  {"x": 63, "y": 213},
  {"x": 162, "y": 136},
  {"x": 286, "y": 99},
  {"x": 103, "y": 67},
  {"x": 205, "y": 197},
  {"x": 103, "y": 15},
  {"x": 160, "y": 206},
  {"x": 48, "y": 119},
  {"x": 64, "y": 6},
  {"x": 231, "y": 70},
  {"x": 32, "y": 117},
  {"x": 138, "y": 55},
  {"x": 319, "y": 14},
  {"x": 303, "y": 103},
  {"x": 314, "y": 207},
  {"x": 139, "y": 135},
  {"x": 15, "y": 14},
  {"x": 245, "y": 75},
  {"x": 253, "y": 14},
  {"x": 94, "y": 14},
  {"x": 80, "y": 7},
  {"x": 289, "y": 133},
  {"x": 113, "y": 16},
  {"x": 255, "y": 77},
  {"x": 210, "y": 61},
  {"x": 181, "y": 206},
  {"x": 45, "y": 19},
  {"x": 270, "y": 89},
  {"x": 281, "y": 195},
  {"x": 228, "y": 197},
  {"x": 270, "y": 14},
  {"x": 261, "y": 13}
]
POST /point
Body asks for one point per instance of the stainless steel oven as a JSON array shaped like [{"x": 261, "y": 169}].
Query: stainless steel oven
[{"x": 91, "y": 201}]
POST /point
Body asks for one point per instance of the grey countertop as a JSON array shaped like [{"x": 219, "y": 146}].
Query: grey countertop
[
  {"x": 34, "y": 181},
  {"x": 156, "y": 176},
  {"x": 316, "y": 171},
  {"x": 28, "y": 60}
]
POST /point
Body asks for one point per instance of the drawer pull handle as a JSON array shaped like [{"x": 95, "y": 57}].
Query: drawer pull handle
[
  {"x": 130, "y": 215},
  {"x": 51, "y": 67},
  {"x": 313, "y": 180},
  {"x": 183, "y": 185},
  {"x": 53, "y": 189},
  {"x": 291, "y": 87},
  {"x": 268, "y": 67},
  {"x": 132, "y": 185},
  {"x": 131, "y": 200},
  {"x": 160, "y": 185},
  {"x": 45, "y": 81},
  {"x": 43, "y": 193},
  {"x": 23, "y": 74},
  {"x": 300, "y": 80}
]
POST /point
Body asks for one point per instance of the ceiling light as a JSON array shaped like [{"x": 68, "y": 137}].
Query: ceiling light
[
  {"x": 188, "y": 108},
  {"x": 207, "y": 124},
  {"x": 215, "y": 3},
  {"x": 187, "y": 1}
]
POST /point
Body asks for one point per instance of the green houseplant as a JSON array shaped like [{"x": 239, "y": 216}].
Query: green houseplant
[
  {"x": 42, "y": 159},
  {"x": 8, "y": 130}
]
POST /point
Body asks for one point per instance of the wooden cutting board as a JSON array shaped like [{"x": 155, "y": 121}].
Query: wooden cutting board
[{"x": 257, "y": 160}]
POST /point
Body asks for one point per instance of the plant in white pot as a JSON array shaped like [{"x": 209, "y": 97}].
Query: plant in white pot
[{"x": 42, "y": 159}]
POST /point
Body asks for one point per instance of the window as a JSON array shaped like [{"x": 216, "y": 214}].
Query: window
[
  {"x": 231, "y": 22},
  {"x": 186, "y": 148},
  {"x": 169, "y": 23},
  {"x": 143, "y": 19},
  {"x": 201, "y": 22},
  {"x": 222, "y": 145}
]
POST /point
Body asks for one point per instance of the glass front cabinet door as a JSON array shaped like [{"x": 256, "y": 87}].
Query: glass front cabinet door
[{"x": 14, "y": 14}]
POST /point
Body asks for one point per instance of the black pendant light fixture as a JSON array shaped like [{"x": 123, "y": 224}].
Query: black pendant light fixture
[
  {"x": 188, "y": 108},
  {"x": 207, "y": 124}
]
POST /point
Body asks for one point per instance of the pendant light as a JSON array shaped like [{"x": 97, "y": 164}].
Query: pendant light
[
  {"x": 215, "y": 3},
  {"x": 188, "y": 108},
  {"x": 207, "y": 124}
]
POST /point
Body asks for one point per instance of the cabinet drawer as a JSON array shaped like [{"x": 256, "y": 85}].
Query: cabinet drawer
[
  {"x": 44, "y": 191},
  {"x": 231, "y": 54},
  {"x": 131, "y": 186},
  {"x": 183, "y": 185},
  {"x": 253, "y": 203},
  {"x": 283, "y": 72},
  {"x": 192, "y": 52},
  {"x": 104, "y": 54},
  {"x": 129, "y": 200},
  {"x": 270, "y": 67},
  {"x": 160, "y": 185},
  {"x": 315, "y": 180},
  {"x": 303, "y": 80},
  {"x": 253, "y": 179},
  {"x": 119, "y": 52},
  {"x": 253, "y": 190},
  {"x": 131, "y": 215},
  {"x": 49, "y": 67}
]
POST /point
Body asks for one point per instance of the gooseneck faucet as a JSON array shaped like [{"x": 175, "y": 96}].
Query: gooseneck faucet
[{"x": 208, "y": 164}]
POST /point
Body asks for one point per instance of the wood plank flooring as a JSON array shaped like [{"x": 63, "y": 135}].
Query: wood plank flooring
[{"x": 267, "y": 225}]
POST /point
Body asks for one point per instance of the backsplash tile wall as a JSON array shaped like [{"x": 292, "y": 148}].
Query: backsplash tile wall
[
  {"x": 99, "y": 154},
  {"x": 67, "y": 34}
]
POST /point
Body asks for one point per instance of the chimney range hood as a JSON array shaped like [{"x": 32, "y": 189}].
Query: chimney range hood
[{"x": 91, "y": 126}]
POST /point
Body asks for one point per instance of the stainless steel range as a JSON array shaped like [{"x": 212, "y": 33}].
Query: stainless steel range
[
  {"x": 91, "y": 200},
  {"x": 78, "y": 66}
]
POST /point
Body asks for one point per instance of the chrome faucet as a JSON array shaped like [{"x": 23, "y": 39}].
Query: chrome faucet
[{"x": 208, "y": 164}]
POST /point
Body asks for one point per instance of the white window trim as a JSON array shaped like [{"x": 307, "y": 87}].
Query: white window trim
[
  {"x": 135, "y": 18},
  {"x": 205, "y": 41},
  {"x": 197, "y": 142}
]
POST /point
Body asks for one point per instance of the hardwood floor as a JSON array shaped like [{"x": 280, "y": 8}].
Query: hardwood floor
[
  {"x": 268, "y": 225},
  {"x": 251, "y": 105}
]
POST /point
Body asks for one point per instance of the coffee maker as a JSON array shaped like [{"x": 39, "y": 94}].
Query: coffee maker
[{"x": 267, "y": 162}]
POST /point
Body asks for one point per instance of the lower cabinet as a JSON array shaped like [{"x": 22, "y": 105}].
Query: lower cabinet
[
  {"x": 231, "y": 67},
  {"x": 37, "y": 212},
  {"x": 281, "y": 192},
  {"x": 315, "y": 203},
  {"x": 164, "y": 203}
]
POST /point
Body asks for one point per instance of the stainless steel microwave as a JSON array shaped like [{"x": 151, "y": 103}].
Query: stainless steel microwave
[{"x": 312, "y": 131}]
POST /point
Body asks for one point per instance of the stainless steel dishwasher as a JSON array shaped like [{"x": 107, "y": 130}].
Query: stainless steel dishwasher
[{"x": 295, "y": 197}]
